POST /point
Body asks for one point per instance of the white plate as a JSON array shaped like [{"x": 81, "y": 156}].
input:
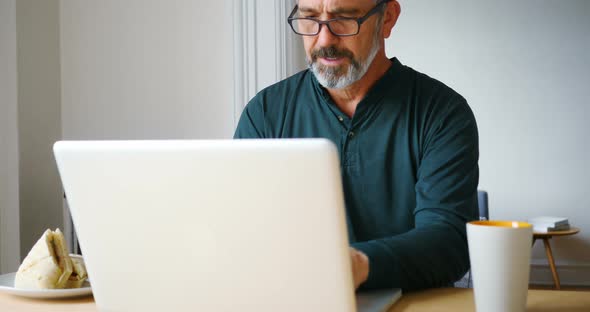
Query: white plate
[{"x": 7, "y": 286}]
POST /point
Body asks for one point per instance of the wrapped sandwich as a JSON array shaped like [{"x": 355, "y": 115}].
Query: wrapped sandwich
[
  {"x": 79, "y": 274},
  {"x": 49, "y": 266}
]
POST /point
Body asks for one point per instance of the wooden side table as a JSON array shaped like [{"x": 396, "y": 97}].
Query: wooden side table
[{"x": 546, "y": 237}]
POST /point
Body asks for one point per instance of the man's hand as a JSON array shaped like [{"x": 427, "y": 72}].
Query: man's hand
[{"x": 360, "y": 267}]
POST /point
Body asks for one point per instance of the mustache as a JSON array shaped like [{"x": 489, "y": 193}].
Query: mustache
[{"x": 330, "y": 52}]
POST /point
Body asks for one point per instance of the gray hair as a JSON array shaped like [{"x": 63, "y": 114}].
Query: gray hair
[
  {"x": 380, "y": 14},
  {"x": 375, "y": 1}
]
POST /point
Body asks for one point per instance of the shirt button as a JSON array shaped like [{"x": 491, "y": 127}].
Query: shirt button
[
  {"x": 351, "y": 134},
  {"x": 340, "y": 118}
]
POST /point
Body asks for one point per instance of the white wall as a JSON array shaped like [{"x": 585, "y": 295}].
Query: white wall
[
  {"x": 38, "y": 118},
  {"x": 142, "y": 69},
  {"x": 109, "y": 70},
  {"x": 9, "y": 212},
  {"x": 524, "y": 68}
]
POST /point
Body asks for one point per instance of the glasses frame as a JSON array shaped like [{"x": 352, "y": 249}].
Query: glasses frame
[{"x": 321, "y": 23}]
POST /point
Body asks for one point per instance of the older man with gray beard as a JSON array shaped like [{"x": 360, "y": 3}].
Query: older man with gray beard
[{"x": 408, "y": 143}]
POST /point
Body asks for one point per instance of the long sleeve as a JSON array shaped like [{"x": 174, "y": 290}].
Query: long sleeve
[
  {"x": 434, "y": 253},
  {"x": 251, "y": 124}
]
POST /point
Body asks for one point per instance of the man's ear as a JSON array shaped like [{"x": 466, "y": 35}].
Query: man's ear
[{"x": 390, "y": 17}]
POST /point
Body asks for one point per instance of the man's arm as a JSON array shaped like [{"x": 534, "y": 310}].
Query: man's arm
[
  {"x": 251, "y": 124},
  {"x": 435, "y": 252}
]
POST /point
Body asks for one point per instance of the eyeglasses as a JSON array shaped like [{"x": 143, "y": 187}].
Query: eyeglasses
[{"x": 341, "y": 26}]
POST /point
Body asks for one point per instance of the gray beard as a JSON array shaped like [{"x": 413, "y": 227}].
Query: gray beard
[{"x": 338, "y": 77}]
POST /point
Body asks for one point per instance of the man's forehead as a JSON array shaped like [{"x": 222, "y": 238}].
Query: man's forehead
[{"x": 349, "y": 6}]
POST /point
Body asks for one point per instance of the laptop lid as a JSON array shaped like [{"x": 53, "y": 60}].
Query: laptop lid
[{"x": 210, "y": 225}]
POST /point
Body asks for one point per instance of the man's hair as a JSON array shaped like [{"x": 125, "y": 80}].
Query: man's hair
[
  {"x": 375, "y": 1},
  {"x": 379, "y": 14}
]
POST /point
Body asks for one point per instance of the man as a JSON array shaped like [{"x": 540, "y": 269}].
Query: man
[{"x": 408, "y": 143}]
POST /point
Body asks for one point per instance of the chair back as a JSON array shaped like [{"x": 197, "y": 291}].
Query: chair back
[{"x": 482, "y": 203}]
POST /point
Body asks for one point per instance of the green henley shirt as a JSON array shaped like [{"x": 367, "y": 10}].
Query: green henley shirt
[{"x": 409, "y": 164}]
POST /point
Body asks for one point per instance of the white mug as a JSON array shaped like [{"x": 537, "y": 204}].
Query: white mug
[{"x": 500, "y": 255}]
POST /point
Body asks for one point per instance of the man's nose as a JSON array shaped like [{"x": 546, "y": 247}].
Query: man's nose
[{"x": 325, "y": 37}]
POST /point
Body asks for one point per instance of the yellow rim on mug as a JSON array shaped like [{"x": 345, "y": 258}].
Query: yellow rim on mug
[{"x": 507, "y": 224}]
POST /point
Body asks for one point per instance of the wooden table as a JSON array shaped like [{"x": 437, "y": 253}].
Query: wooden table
[
  {"x": 461, "y": 300},
  {"x": 546, "y": 237},
  {"x": 442, "y": 299},
  {"x": 19, "y": 304}
]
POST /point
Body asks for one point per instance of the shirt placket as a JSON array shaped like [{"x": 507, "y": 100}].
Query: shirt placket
[{"x": 348, "y": 139}]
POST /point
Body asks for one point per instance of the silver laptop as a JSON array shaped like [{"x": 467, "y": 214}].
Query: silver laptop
[{"x": 212, "y": 225}]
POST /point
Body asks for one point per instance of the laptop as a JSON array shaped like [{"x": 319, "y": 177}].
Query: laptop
[{"x": 213, "y": 225}]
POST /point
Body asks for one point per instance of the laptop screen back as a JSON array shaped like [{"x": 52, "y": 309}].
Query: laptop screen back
[{"x": 254, "y": 225}]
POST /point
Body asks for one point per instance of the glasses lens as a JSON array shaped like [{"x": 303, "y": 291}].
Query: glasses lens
[
  {"x": 305, "y": 26},
  {"x": 344, "y": 27}
]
